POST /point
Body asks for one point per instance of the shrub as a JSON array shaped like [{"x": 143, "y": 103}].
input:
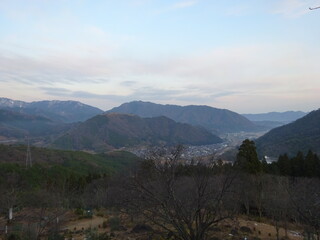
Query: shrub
[
  {"x": 114, "y": 223},
  {"x": 141, "y": 228},
  {"x": 79, "y": 211},
  {"x": 14, "y": 236},
  {"x": 105, "y": 224}
]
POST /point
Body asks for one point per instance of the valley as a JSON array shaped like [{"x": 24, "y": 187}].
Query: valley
[
  {"x": 125, "y": 176},
  {"x": 76, "y": 126},
  {"x": 159, "y": 120}
]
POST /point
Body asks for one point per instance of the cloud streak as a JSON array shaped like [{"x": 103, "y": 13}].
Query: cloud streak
[
  {"x": 216, "y": 77},
  {"x": 183, "y": 4},
  {"x": 220, "y": 53}
]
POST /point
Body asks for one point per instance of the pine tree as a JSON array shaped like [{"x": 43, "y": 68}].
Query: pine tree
[
  {"x": 310, "y": 164},
  {"x": 297, "y": 165},
  {"x": 284, "y": 165},
  {"x": 247, "y": 158}
]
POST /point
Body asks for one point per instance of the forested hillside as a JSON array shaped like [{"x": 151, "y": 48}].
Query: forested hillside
[
  {"x": 116, "y": 130},
  {"x": 77, "y": 162},
  {"x": 301, "y": 135}
]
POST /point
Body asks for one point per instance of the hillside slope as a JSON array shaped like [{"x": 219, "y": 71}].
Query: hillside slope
[
  {"x": 213, "y": 119},
  {"x": 78, "y": 162},
  {"x": 115, "y": 130},
  {"x": 57, "y": 171},
  {"x": 301, "y": 135}
]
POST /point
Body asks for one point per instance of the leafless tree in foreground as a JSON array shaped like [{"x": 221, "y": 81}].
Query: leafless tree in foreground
[
  {"x": 44, "y": 213},
  {"x": 305, "y": 196},
  {"x": 277, "y": 205},
  {"x": 183, "y": 201}
]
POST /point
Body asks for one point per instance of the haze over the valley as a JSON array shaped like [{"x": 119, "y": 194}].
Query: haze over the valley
[{"x": 246, "y": 56}]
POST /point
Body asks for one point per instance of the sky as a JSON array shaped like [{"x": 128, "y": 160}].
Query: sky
[{"x": 248, "y": 56}]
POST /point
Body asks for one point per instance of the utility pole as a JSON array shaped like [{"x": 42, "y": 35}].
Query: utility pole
[{"x": 28, "y": 158}]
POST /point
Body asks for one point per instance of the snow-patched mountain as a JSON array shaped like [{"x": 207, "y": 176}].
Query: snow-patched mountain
[
  {"x": 19, "y": 125},
  {"x": 62, "y": 111}
]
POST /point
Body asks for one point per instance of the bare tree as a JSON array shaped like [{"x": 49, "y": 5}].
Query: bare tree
[
  {"x": 45, "y": 212},
  {"x": 277, "y": 205},
  {"x": 305, "y": 196},
  {"x": 9, "y": 190},
  {"x": 184, "y": 201}
]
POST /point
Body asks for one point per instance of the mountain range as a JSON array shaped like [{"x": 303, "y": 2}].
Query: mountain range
[
  {"x": 279, "y": 117},
  {"x": 300, "y": 135},
  {"x": 19, "y": 125},
  {"x": 213, "y": 119},
  {"x": 114, "y": 130},
  {"x": 60, "y": 111},
  {"x": 73, "y": 125}
]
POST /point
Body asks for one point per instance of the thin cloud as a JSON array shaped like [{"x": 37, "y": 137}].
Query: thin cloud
[
  {"x": 224, "y": 94},
  {"x": 128, "y": 83},
  {"x": 184, "y": 4},
  {"x": 56, "y": 91},
  {"x": 261, "y": 71},
  {"x": 64, "y": 92},
  {"x": 145, "y": 93}
]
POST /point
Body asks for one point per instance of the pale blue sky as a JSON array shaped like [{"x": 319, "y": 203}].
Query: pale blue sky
[{"x": 248, "y": 56}]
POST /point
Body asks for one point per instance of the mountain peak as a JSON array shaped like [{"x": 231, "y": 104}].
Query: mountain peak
[
  {"x": 213, "y": 119},
  {"x": 63, "y": 111}
]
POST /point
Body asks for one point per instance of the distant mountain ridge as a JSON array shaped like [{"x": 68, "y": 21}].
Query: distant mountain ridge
[
  {"x": 19, "y": 125},
  {"x": 63, "y": 111},
  {"x": 9, "y": 103},
  {"x": 213, "y": 119},
  {"x": 114, "y": 130},
  {"x": 300, "y": 135},
  {"x": 283, "y": 117}
]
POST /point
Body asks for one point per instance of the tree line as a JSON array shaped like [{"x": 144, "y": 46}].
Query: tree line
[
  {"x": 297, "y": 166},
  {"x": 180, "y": 202}
]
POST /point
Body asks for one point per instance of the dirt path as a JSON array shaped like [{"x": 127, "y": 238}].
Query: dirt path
[
  {"x": 86, "y": 223},
  {"x": 268, "y": 231}
]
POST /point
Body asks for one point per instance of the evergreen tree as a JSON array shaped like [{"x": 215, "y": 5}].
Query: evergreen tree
[
  {"x": 284, "y": 165},
  {"x": 310, "y": 164},
  {"x": 297, "y": 165},
  {"x": 247, "y": 158},
  {"x": 317, "y": 168},
  {"x": 264, "y": 165}
]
